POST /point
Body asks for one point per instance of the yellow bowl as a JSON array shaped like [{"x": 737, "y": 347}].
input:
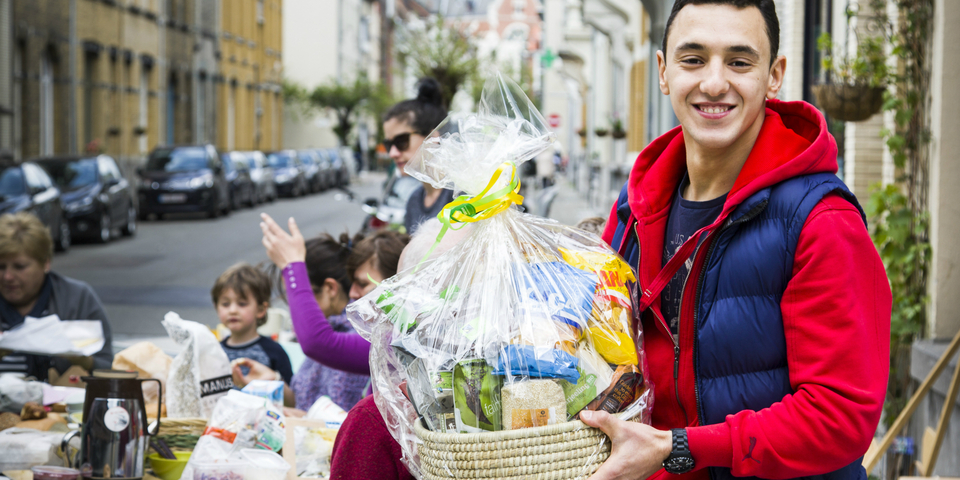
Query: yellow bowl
[{"x": 168, "y": 469}]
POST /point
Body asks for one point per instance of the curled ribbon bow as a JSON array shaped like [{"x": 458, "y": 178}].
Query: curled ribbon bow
[{"x": 465, "y": 209}]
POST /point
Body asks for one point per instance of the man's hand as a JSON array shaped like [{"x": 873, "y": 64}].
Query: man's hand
[
  {"x": 638, "y": 450},
  {"x": 258, "y": 371},
  {"x": 283, "y": 248}
]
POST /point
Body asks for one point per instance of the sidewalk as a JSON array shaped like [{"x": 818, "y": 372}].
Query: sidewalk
[{"x": 570, "y": 207}]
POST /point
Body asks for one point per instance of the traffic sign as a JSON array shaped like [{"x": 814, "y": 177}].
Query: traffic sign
[{"x": 554, "y": 120}]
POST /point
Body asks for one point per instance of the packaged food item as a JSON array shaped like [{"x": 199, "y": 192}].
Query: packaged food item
[
  {"x": 270, "y": 389},
  {"x": 200, "y": 374},
  {"x": 476, "y": 397},
  {"x": 625, "y": 387},
  {"x": 533, "y": 403},
  {"x": 331, "y": 413},
  {"x": 595, "y": 377},
  {"x": 149, "y": 361},
  {"x": 615, "y": 347},
  {"x": 529, "y": 361}
]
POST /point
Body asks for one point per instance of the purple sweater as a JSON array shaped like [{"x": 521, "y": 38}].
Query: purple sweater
[{"x": 346, "y": 351}]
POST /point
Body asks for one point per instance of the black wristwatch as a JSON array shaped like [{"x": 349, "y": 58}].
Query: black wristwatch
[{"x": 680, "y": 459}]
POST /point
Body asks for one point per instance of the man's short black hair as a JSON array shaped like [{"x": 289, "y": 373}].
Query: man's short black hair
[{"x": 766, "y": 7}]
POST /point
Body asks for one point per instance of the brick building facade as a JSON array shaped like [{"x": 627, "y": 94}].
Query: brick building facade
[{"x": 122, "y": 76}]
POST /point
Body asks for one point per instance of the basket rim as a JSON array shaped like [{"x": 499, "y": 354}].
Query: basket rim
[{"x": 502, "y": 435}]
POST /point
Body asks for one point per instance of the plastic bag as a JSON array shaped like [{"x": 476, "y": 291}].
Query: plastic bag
[
  {"x": 200, "y": 373},
  {"x": 523, "y": 323},
  {"x": 149, "y": 361}
]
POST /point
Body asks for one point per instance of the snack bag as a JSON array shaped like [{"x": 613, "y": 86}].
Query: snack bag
[
  {"x": 521, "y": 324},
  {"x": 200, "y": 374}
]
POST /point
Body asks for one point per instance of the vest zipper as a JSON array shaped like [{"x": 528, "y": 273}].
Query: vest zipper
[{"x": 696, "y": 296}]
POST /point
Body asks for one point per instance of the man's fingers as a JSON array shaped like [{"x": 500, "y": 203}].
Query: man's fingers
[{"x": 602, "y": 420}]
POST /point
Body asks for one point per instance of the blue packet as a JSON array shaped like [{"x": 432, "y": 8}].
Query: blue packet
[
  {"x": 523, "y": 361},
  {"x": 564, "y": 291}
]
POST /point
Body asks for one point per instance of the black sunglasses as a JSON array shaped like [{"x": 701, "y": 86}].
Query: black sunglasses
[{"x": 401, "y": 141}]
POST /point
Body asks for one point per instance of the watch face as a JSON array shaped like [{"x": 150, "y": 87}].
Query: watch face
[{"x": 678, "y": 465}]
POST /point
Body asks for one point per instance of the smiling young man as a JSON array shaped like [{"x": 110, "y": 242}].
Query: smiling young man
[{"x": 765, "y": 307}]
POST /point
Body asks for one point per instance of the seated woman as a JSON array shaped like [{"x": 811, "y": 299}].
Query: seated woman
[{"x": 29, "y": 288}]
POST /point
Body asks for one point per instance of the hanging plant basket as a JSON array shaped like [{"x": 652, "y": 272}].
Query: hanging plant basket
[
  {"x": 601, "y": 132},
  {"x": 849, "y": 103},
  {"x": 618, "y": 134},
  {"x": 582, "y": 132}
]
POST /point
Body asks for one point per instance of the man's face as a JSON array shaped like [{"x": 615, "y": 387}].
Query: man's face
[
  {"x": 21, "y": 278},
  {"x": 717, "y": 73}
]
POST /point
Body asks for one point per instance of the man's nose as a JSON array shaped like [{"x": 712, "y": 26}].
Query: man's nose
[
  {"x": 715, "y": 82},
  {"x": 395, "y": 152}
]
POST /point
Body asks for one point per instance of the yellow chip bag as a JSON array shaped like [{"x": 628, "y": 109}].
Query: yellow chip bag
[
  {"x": 612, "y": 272},
  {"x": 615, "y": 347}
]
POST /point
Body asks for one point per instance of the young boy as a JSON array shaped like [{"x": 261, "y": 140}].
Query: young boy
[
  {"x": 242, "y": 296},
  {"x": 764, "y": 304}
]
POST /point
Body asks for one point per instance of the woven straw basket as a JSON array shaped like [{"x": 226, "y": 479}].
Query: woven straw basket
[
  {"x": 181, "y": 434},
  {"x": 568, "y": 450}
]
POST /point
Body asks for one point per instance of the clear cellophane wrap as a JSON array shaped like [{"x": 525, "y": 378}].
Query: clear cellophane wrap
[{"x": 523, "y": 323}]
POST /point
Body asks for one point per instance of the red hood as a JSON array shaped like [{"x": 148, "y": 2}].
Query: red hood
[{"x": 793, "y": 141}]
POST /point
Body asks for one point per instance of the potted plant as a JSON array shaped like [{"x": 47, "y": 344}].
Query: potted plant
[
  {"x": 855, "y": 90},
  {"x": 601, "y": 131},
  {"x": 139, "y": 130},
  {"x": 113, "y": 131},
  {"x": 582, "y": 132},
  {"x": 618, "y": 131}
]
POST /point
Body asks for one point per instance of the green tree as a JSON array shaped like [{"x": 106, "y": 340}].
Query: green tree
[
  {"x": 441, "y": 51},
  {"x": 345, "y": 100}
]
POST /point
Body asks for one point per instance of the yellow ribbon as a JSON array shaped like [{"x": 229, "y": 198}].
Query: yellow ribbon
[{"x": 465, "y": 209}]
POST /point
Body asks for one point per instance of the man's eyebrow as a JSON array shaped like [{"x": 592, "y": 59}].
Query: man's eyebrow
[
  {"x": 690, "y": 46},
  {"x": 744, "y": 49}
]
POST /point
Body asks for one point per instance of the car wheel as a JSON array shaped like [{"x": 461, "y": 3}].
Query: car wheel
[
  {"x": 105, "y": 233},
  {"x": 63, "y": 240},
  {"x": 130, "y": 229}
]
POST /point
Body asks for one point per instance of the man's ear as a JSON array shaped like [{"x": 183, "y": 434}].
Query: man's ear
[
  {"x": 777, "y": 72},
  {"x": 662, "y": 72},
  {"x": 46, "y": 267}
]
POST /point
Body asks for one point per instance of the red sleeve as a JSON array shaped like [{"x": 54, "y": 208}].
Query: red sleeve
[
  {"x": 364, "y": 448},
  {"x": 611, "y": 226},
  {"x": 836, "y": 318}
]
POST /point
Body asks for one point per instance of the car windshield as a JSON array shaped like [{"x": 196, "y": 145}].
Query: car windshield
[
  {"x": 251, "y": 162},
  {"x": 178, "y": 160},
  {"x": 280, "y": 160},
  {"x": 72, "y": 174},
  {"x": 400, "y": 191},
  {"x": 11, "y": 182},
  {"x": 306, "y": 158}
]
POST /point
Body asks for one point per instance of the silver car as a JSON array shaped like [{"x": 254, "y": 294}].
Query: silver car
[{"x": 262, "y": 175}]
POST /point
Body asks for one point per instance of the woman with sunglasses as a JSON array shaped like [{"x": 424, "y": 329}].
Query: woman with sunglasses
[{"x": 405, "y": 126}]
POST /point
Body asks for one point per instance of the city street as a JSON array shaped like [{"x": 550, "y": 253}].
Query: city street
[{"x": 171, "y": 264}]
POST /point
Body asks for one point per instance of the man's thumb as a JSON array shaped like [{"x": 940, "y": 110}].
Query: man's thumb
[{"x": 602, "y": 420}]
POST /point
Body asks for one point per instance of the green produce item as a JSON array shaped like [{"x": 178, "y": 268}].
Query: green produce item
[{"x": 476, "y": 397}]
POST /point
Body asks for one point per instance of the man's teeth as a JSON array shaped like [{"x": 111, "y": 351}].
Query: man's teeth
[{"x": 714, "y": 109}]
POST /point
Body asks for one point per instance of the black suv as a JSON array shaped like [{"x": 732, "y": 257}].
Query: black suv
[
  {"x": 27, "y": 187},
  {"x": 183, "y": 179}
]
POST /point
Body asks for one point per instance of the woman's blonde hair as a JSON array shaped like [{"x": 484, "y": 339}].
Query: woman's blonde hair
[{"x": 24, "y": 233}]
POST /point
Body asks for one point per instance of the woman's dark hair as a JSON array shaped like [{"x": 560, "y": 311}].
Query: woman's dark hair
[
  {"x": 767, "y": 9},
  {"x": 384, "y": 247},
  {"x": 423, "y": 113},
  {"x": 326, "y": 258}
]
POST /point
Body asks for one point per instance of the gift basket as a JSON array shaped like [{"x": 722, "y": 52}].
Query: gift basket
[{"x": 482, "y": 357}]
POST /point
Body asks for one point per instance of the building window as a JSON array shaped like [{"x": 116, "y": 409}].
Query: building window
[
  {"x": 260, "y": 12},
  {"x": 231, "y": 115},
  {"x": 171, "y": 109},
  {"x": 90, "y": 65},
  {"x": 201, "y": 134},
  {"x": 144, "y": 91},
  {"x": 18, "y": 79},
  {"x": 46, "y": 104}
]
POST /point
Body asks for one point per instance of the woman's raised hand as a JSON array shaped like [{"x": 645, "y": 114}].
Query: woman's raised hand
[{"x": 283, "y": 248}]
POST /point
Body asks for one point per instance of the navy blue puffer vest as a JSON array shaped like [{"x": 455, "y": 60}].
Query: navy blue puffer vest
[{"x": 747, "y": 268}]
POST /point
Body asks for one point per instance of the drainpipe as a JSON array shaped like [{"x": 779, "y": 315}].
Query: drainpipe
[{"x": 73, "y": 78}]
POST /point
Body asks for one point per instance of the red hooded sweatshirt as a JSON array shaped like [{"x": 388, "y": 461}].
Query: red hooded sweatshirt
[{"x": 836, "y": 313}]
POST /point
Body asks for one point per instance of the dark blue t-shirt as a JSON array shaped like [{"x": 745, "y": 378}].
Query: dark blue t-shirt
[
  {"x": 685, "y": 219},
  {"x": 263, "y": 350}
]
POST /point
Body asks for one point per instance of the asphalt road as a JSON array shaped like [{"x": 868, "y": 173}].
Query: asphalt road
[{"x": 171, "y": 264}]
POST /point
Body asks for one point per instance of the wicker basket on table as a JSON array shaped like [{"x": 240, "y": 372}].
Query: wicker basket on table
[
  {"x": 181, "y": 434},
  {"x": 563, "y": 451}
]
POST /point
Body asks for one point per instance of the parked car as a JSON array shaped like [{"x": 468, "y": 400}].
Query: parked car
[
  {"x": 188, "y": 178},
  {"x": 237, "y": 174},
  {"x": 311, "y": 170},
  {"x": 390, "y": 210},
  {"x": 288, "y": 173},
  {"x": 27, "y": 187},
  {"x": 262, "y": 175},
  {"x": 341, "y": 168},
  {"x": 95, "y": 196},
  {"x": 326, "y": 170}
]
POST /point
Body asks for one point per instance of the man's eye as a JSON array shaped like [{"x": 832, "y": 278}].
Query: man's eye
[
  {"x": 691, "y": 61},
  {"x": 740, "y": 64}
]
